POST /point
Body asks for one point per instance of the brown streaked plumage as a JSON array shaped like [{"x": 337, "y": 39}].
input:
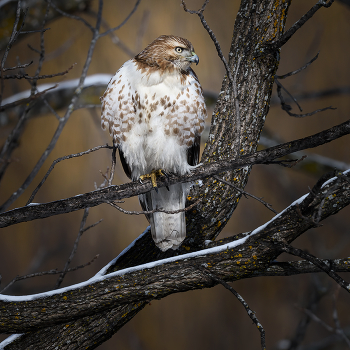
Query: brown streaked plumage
[{"x": 154, "y": 109}]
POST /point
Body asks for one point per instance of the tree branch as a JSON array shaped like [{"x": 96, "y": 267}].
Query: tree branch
[
  {"x": 111, "y": 193},
  {"x": 230, "y": 261}
]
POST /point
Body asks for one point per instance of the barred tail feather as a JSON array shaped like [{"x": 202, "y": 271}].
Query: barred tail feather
[{"x": 168, "y": 230}]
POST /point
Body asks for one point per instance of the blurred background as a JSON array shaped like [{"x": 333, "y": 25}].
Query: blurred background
[{"x": 203, "y": 319}]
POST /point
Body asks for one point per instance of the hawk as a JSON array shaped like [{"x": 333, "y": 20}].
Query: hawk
[{"x": 154, "y": 109}]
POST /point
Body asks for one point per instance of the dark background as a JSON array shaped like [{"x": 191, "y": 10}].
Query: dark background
[{"x": 203, "y": 319}]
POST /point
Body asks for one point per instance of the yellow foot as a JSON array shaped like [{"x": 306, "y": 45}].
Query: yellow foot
[{"x": 153, "y": 176}]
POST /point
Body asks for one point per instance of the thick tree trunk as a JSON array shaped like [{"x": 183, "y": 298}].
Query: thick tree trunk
[{"x": 257, "y": 24}]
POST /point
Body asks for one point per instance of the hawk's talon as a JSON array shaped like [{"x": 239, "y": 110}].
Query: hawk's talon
[
  {"x": 153, "y": 177},
  {"x": 164, "y": 173}
]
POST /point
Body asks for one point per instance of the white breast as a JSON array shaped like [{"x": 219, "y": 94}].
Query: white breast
[{"x": 155, "y": 120}]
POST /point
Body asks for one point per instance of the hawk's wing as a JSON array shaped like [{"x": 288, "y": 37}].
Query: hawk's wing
[
  {"x": 193, "y": 151},
  {"x": 118, "y": 109}
]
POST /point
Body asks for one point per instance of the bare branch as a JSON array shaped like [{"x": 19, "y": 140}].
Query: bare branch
[
  {"x": 287, "y": 107},
  {"x": 45, "y": 76},
  {"x": 158, "y": 210},
  {"x": 299, "y": 69},
  {"x": 316, "y": 261},
  {"x": 62, "y": 121},
  {"x": 292, "y": 268},
  {"x": 250, "y": 313},
  {"x": 19, "y": 66},
  {"x": 75, "y": 247},
  {"x": 112, "y": 193},
  {"x": 44, "y": 273},
  {"x": 317, "y": 294},
  {"x": 34, "y": 31},
  {"x": 267, "y": 205},
  {"x": 297, "y": 25},
  {"x": 78, "y": 18},
  {"x": 25, "y": 100},
  {"x": 338, "y": 329},
  {"x": 125, "y": 20},
  {"x": 59, "y": 160},
  {"x": 115, "y": 39},
  {"x": 12, "y": 40}
]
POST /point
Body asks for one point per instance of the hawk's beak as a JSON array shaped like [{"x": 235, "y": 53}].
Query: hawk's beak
[{"x": 194, "y": 58}]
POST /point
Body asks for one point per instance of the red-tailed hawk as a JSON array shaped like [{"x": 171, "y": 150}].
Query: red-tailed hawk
[{"x": 154, "y": 109}]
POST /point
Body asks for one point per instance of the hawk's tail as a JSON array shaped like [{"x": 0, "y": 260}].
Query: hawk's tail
[{"x": 168, "y": 230}]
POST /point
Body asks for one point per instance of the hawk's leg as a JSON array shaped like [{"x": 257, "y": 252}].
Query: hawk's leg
[{"x": 153, "y": 176}]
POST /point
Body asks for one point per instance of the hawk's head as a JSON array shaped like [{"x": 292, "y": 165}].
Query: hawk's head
[{"x": 168, "y": 52}]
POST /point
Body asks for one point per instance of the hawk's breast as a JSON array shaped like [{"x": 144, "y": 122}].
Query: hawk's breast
[{"x": 154, "y": 117}]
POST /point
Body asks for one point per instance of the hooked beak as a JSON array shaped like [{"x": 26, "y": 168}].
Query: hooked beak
[{"x": 194, "y": 58}]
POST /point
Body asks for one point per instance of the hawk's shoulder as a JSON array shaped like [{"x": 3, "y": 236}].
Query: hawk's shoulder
[{"x": 118, "y": 110}]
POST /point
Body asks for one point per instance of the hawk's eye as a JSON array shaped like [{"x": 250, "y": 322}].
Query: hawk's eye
[{"x": 179, "y": 49}]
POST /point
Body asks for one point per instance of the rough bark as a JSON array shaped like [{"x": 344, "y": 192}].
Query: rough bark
[
  {"x": 257, "y": 24},
  {"x": 102, "y": 307}
]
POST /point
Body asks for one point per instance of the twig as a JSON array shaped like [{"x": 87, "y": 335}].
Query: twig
[
  {"x": 45, "y": 76},
  {"x": 42, "y": 50},
  {"x": 250, "y": 313},
  {"x": 238, "y": 115},
  {"x": 316, "y": 261},
  {"x": 324, "y": 93},
  {"x": 147, "y": 212},
  {"x": 50, "y": 272},
  {"x": 317, "y": 319},
  {"x": 316, "y": 296},
  {"x": 279, "y": 92},
  {"x": 75, "y": 247},
  {"x": 33, "y": 49},
  {"x": 297, "y": 25},
  {"x": 63, "y": 121},
  {"x": 338, "y": 329},
  {"x": 89, "y": 106},
  {"x": 267, "y": 205},
  {"x": 299, "y": 69},
  {"x": 59, "y": 160},
  {"x": 25, "y": 100},
  {"x": 227, "y": 68},
  {"x": 34, "y": 31},
  {"x": 115, "y": 39},
  {"x": 287, "y": 163},
  {"x": 25, "y": 65},
  {"x": 11, "y": 141},
  {"x": 287, "y": 107},
  {"x": 92, "y": 225},
  {"x": 47, "y": 104},
  {"x": 13, "y": 38},
  {"x": 125, "y": 20},
  {"x": 78, "y": 18}
]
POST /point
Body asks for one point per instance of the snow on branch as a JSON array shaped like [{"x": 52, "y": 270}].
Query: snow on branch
[{"x": 240, "y": 258}]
